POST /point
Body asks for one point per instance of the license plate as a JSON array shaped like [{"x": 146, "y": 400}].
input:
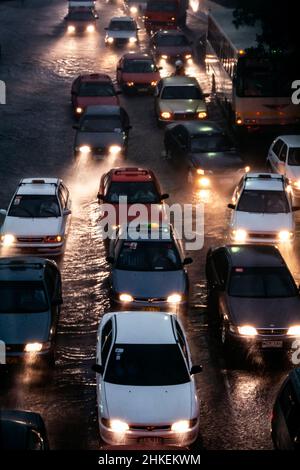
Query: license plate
[
  {"x": 98, "y": 157},
  {"x": 152, "y": 309},
  {"x": 143, "y": 89},
  {"x": 151, "y": 441},
  {"x": 272, "y": 344}
]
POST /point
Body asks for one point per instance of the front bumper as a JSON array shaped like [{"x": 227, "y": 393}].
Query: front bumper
[
  {"x": 139, "y": 88},
  {"x": 140, "y": 437},
  {"x": 154, "y": 305},
  {"x": 270, "y": 342},
  {"x": 49, "y": 249}
]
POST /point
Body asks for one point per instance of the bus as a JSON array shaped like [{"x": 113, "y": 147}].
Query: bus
[{"x": 254, "y": 88}]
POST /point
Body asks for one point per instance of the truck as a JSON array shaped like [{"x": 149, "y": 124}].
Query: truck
[{"x": 165, "y": 14}]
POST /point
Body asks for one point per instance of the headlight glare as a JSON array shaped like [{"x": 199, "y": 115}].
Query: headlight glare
[
  {"x": 118, "y": 426},
  {"x": 174, "y": 299},
  {"x": 181, "y": 426},
  {"x": 125, "y": 298},
  {"x": 240, "y": 235},
  {"x": 8, "y": 239},
  {"x": 247, "y": 330},
  {"x": 294, "y": 330}
]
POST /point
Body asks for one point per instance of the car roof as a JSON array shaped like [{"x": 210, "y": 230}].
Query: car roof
[
  {"x": 38, "y": 186},
  {"x": 199, "y": 127},
  {"x": 102, "y": 109},
  {"x": 144, "y": 328},
  {"x": 173, "y": 81},
  {"x": 264, "y": 181},
  {"x": 131, "y": 174},
  {"x": 122, "y": 18},
  {"x": 290, "y": 140},
  {"x": 95, "y": 77},
  {"x": 24, "y": 268},
  {"x": 137, "y": 56},
  {"x": 254, "y": 256}
]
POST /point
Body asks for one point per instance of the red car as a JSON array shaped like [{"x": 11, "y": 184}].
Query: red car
[
  {"x": 140, "y": 186},
  {"x": 93, "y": 89},
  {"x": 137, "y": 73}
]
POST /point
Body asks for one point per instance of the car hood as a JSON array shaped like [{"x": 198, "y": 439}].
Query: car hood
[
  {"x": 140, "y": 77},
  {"x": 149, "y": 405},
  {"x": 148, "y": 284},
  {"x": 217, "y": 162},
  {"x": 293, "y": 172},
  {"x": 121, "y": 34},
  {"x": 182, "y": 106},
  {"x": 85, "y": 101},
  {"x": 20, "y": 226},
  {"x": 99, "y": 138},
  {"x": 173, "y": 50},
  {"x": 265, "y": 313},
  {"x": 263, "y": 222},
  {"x": 22, "y": 328}
]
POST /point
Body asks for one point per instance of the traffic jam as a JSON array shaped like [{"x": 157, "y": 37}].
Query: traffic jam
[{"x": 149, "y": 229}]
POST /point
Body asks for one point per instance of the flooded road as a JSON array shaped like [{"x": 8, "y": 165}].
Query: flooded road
[{"x": 38, "y": 65}]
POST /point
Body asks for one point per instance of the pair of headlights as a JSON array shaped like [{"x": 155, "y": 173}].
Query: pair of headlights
[
  {"x": 131, "y": 40},
  {"x": 240, "y": 236},
  {"x": 121, "y": 427},
  {"x": 90, "y": 28},
  {"x": 172, "y": 299},
  {"x": 8, "y": 239},
  {"x": 248, "y": 330},
  {"x": 113, "y": 149},
  {"x": 167, "y": 115}
]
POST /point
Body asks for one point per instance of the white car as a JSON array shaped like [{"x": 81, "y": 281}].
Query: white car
[
  {"x": 121, "y": 30},
  {"x": 284, "y": 158},
  {"x": 262, "y": 210},
  {"x": 145, "y": 380},
  {"x": 37, "y": 219}
]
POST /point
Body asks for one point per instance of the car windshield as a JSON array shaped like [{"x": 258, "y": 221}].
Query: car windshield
[
  {"x": 81, "y": 16},
  {"x": 161, "y": 6},
  {"x": 23, "y": 297},
  {"x": 139, "y": 66},
  {"x": 136, "y": 192},
  {"x": 294, "y": 157},
  {"x": 211, "y": 143},
  {"x": 146, "y": 365},
  {"x": 34, "y": 206},
  {"x": 101, "y": 124},
  {"x": 122, "y": 26},
  {"x": 275, "y": 282},
  {"x": 148, "y": 256},
  {"x": 170, "y": 40},
  {"x": 181, "y": 93},
  {"x": 96, "y": 89},
  {"x": 266, "y": 202}
]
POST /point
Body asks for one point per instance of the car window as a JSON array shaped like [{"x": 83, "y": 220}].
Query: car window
[
  {"x": 62, "y": 197},
  {"x": 283, "y": 153},
  {"x": 265, "y": 202},
  {"x": 101, "y": 123},
  {"x": 291, "y": 410},
  {"x": 106, "y": 341},
  {"x": 277, "y": 147},
  {"x": 34, "y": 206},
  {"x": 211, "y": 143},
  {"x": 172, "y": 40},
  {"x": 181, "y": 340},
  {"x": 221, "y": 266},
  {"x": 94, "y": 88},
  {"x": 143, "y": 192},
  {"x": 122, "y": 26},
  {"x": 294, "y": 157}
]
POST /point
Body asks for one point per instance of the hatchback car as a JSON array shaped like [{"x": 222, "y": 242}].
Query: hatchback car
[
  {"x": 38, "y": 218},
  {"x": 93, "y": 89},
  {"x": 148, "y": 268},
  {"x": 284, "y": 158},
  {"x": 262, "y": 210},
  {"x": 22, "y": 430},
  {"x": 179, "y": 99},
  {"x": 254, "y": 296},
  {"x": 206, "y": 150},
  {"x": 285, "y": 424},
  {"x": 81, "y": 20},
  {"x": 103, "y": 131},
  {"x": 31, "y": 297},
  {"x": 138, "y": 186},
  {"x": 135, "y": 7},
  {"x": 171, "y": 45},
  {"x": 146, "y": 389},
  {"x": 137, "y": 73},
  {"x": 122, "y": 30}
]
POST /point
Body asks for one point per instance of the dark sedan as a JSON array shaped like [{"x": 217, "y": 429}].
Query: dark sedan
[
  {"x": 81, "y": 20},
  {"x": 171, "y": 45},
  {"x": 254, "y": 297},
  {"x": 207, "y": 151},
  {"x": 22, "y": 430}
]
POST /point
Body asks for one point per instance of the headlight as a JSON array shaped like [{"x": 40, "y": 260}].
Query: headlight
[
  {"x": 164, "y": 56},
  {"x": 126, "y": 298},
  {"x": 8, "y": 239},
  {"x": 200, "y": 172},
  {"x": 174, "y": 299},
  {"x": 165, "y": 115},
  {"x": 133, "y": 10},
  {"x": 33, "y": 347},
  {"x": 247, "y": 330},
  {"x": 181, "y": 426},
  {"x": 115, "y": 149},
  {"x": 118, "y": 426},
  {"x": 85, "y": 149},
  {"x": 239, "y": 236},
  {"x": 285, "y": 236},
  {"x": 79, "y": 110},
  {"x": 202, "y": 115},
  {"x": 110, "y": 40},
  {"x": 247, "y": 169},
  {"x": 154, "y": 83},
  {"x": 204, "y": 182},
  {"x": 90, "y": 28},
  {"x": 296, "y": 184},
  {"x": 53, "y": 239},
  {"x": 71, "y": 28},
  {"x": 294, "y": 330},
  {"x": 188, "y": 56},
  {"x": 129, "y": 84},
  {"x": 132, "y": 40}
]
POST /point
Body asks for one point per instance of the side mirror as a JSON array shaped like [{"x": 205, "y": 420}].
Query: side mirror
[
  {"x": 97, "y": 368},
  {"x": 231, "y": 206},
  {"x": 67, "y": 212},
  {"x": 3, "y": 212},
  {"x": 187, "y": 261},
  {"x": 110, "y": 259},
  {"x": 294, "y": 209},
  {"x": 196, "y": 370},
  {"x": 164, "y": 196},
  {"x": 76, "y": 127},
  {"x": 100, "y": 197}
]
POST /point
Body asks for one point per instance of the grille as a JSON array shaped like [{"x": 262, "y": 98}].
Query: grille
[
  {"x": 149, "y": 428},
  {"x": 272, "y": 331},
  {"x": 263, "y": 236},
  {"x": 14, "y": 348},
  {"x": 151, "y": 300},
  {"x": 181, "y": 116},
  {"x": 30, "y": 239}
]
